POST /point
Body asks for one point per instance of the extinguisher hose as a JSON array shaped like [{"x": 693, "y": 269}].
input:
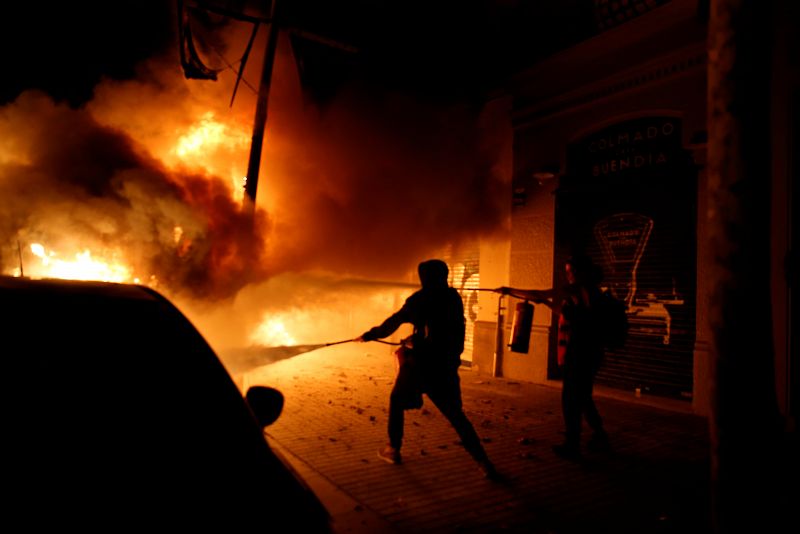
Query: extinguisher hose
[
  {"x": 390, "y": 342},
  {"x": 355, "y": 338}
]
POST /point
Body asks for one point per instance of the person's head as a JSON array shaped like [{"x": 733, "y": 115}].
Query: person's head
[
  {"x": 582, "y": 270},
  {"x": 433, "y": 273}
]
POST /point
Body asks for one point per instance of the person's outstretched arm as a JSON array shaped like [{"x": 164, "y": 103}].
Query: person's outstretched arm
[
  {"x": 539, "y": 296},
  {"x": 387, "y": 327}
]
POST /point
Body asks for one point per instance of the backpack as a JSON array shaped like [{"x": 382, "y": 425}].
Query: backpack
[{"x": 613, "y": 320}]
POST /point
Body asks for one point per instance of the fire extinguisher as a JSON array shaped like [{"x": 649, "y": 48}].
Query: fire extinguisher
[{"x": 521, "y": 327}]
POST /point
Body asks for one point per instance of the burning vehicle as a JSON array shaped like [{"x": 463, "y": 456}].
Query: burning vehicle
[{"x": 119, "y": 414}]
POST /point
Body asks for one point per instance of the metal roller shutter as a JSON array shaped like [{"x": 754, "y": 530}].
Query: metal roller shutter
[
  {"x": 464, "y": 264},
  {"x": 639, "y": 223}
]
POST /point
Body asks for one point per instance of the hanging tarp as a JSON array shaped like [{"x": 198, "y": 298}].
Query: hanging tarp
[{"x": 193, "y": 66}]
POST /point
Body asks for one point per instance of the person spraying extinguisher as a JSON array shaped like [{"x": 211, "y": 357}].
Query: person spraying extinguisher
[{"x": 429, "y": 361}]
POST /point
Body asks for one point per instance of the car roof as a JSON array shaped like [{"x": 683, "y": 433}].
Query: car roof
[
  {"x": 117, "y": 402},
  {"x": 56, "y": 287}
]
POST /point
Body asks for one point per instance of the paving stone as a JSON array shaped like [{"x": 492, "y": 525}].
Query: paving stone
[{"x": 653, "y": 479}]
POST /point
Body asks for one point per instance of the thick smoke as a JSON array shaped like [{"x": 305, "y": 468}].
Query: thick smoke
[
  {"x": 378, "y": 183},
  {"x": 73, "y": 184},
  {"x": 366, "y": 187}
]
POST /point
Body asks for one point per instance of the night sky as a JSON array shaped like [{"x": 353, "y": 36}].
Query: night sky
[
  {"x": 64, "y": 48},
  {"x": 444, "y": 50}
]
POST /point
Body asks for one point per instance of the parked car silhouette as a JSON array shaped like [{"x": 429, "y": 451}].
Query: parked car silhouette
[{"x": 119, "y": 415}]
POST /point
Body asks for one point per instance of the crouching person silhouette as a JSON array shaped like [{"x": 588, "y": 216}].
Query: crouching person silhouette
[{"x": 429, "y": 360}]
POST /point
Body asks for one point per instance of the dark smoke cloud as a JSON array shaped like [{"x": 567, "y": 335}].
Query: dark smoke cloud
[
  {"x": 367, "y": 186},
  {"x": 69, "y": 182},
  {"x": 376, "y": 181}
]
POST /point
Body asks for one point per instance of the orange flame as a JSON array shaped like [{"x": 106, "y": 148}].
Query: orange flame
[
  {"x": 201, "y": 144},
  {"x": 272, "y": 331},
  {"x": 84, "y": 266}
]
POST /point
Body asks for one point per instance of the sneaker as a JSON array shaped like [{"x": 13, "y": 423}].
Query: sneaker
[
  {"x": 567, "y": 451},
  {"x": 598, "y": 442},
  {"x": 390, "y": 455}
]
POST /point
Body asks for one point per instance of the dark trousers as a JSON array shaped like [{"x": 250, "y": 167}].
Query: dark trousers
[
  {"x": 444, "y": 391},
  {"x": 577, "y": 402}
]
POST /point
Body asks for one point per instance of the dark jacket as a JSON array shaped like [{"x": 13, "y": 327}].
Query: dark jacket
[
  {"x": 580, "y": 328},
  {"x": 437, "y": 314}
]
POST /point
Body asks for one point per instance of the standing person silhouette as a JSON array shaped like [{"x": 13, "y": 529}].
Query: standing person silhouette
[
  {"x": 430, "y": 358},
  {"x": 580, "y": 348}
]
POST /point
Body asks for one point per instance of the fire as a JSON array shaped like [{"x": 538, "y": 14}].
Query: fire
[
  {"x": 206, "y": 133},
  {"x": 272, "y": 332},
  {"x": 84, "y": 266},
  {"x": 205, "y": 144}
]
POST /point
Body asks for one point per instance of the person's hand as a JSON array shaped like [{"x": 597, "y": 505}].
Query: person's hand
[
  {"x": 503, "y": 290},
  {"x": 537, "y": 299},
  {"x": 366, "y": 336}
]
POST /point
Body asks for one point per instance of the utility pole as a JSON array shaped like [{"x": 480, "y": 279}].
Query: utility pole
[
  {"x": 260, "y": 121},
  {"x": 194, "y": 68}
]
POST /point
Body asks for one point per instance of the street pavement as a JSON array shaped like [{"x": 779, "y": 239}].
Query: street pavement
[{"x": 654, "y": 480}]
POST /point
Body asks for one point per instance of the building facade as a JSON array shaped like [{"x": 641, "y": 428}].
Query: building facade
[{"x": 608, "y": 148}]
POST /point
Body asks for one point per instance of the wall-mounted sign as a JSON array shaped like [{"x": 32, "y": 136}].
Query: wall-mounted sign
[
  {"x": 638, "y": 146},
  {"x": 610, "y": 13}
]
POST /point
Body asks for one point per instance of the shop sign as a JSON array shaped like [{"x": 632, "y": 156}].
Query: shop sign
[{"x": 640, "y": 145}]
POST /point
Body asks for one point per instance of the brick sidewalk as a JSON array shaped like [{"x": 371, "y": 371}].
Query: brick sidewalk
[{"x": 334, "y": 421}]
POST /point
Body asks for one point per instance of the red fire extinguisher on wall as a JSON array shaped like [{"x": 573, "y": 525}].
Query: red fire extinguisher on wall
[{"x": 521, "y": 327}]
